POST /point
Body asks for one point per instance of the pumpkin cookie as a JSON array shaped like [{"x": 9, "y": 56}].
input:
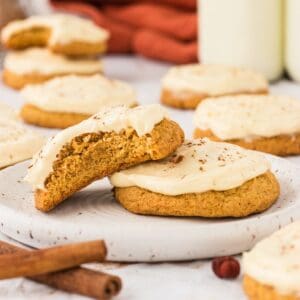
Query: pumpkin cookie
[
  {"x": 186, "y": 86},
  {"x": 17, "y": 143},
  {"x": 36, "y": 65},
  {"x": 265, "y": 123},
  {"x": 111, "y": 140},
  {"x": 66, "y": 101},
  {"x": 63, "y": 34},
  {"x": 202, "y": 178},
  {"x": 272, "y": 267}
]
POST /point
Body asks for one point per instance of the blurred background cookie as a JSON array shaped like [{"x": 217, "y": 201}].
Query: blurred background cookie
[
  {"x": 36, "y": 65},
  {"x": 265, "y": 123},
  {"x": 17, "y": 143},
  {"x": 68, "y": 100},
  {"x": 7, "y": 112},
  {"x": 186, "y": 86},
  {"x": 61, "y": 33}
]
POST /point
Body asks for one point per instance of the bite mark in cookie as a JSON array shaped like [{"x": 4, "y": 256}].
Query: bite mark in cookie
[{"x": 110, "y": 141}]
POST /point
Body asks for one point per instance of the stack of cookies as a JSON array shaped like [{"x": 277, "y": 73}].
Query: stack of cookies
[
  {"x": 44, "y": 47},
  {"x": 55, "y": 62},
  {"x": 111, "y": 140},
  {"x": 154, "y": 171}
]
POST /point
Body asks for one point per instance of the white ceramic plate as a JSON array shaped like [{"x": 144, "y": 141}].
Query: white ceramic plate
[{"x": 94, "y": 214}]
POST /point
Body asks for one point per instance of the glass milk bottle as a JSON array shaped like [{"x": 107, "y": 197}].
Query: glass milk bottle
[
  {"x": 245, "y": 33},
  {"x": 292, "y": 38}
]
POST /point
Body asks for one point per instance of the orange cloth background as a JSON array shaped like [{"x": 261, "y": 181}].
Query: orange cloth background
[{"x": 164, "y": 30}]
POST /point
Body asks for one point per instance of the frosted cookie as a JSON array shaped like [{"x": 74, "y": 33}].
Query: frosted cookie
[
  {"x": 66, "y": 101},
  {"x": 202, "y": 178},
  {"x": 272, "y": 267},
  {"x": 264, "y": 123},
  {"x": 36, "y": 65},
  {"x": 7, "y": 112},
  {"x": 63, "y": 34},
  {"x": 17, "y": 143},
  {"x": 186, "y": 86},
  {"x": 111, "y": 140}
]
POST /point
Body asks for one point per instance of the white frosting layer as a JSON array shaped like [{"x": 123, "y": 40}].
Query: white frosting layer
[
  {"x": 141, "y": 118},
  {"x": 6, "y": 112},
  {"x": 275, "y": 261},
  {"x": 197, "y": 166},
  {"x": 242, "y": 117},
  {"x": 64, "y": 29},
  {"x": 212, "y": 80},
  {"x": 75, "y": 94},
  {"x": 17, "y": 143},
  {"x": 43, "y": 61}
]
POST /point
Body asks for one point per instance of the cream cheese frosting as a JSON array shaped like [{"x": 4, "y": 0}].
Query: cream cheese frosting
[
  {"x": 42, "y": 61},
  {"x": 275, "y": 261},
  {"x": 247, "y": 117},
  {"x": 197, "y": 166},
  {"x": 76, "y": 94},
  {"x": 64, "y": 29},
  {"x": 212, "y": 80},
  {"x": 6, "y": 112},
  {"x": 17, "y": 143},
  {"x": 142, "y": 119}
]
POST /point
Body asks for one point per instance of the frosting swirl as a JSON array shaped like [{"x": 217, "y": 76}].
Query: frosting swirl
[{"x": 197, "y": 166}]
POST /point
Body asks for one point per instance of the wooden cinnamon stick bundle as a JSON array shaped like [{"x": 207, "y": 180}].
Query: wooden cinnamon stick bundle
[{"x": 77, "y": 280}]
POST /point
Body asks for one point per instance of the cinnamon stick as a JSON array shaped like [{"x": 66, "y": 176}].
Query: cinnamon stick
[
  {"x": 51, "y": 259},
  {"x": 77, "y": 280}
]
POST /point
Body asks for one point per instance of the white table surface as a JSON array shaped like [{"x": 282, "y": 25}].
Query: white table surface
[{"x": 160, "y": 281}]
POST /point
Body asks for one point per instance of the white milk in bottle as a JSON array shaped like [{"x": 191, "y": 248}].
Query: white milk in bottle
[
  {"x": 245, "y": 33},
  {"x": 292, "y": 38}
]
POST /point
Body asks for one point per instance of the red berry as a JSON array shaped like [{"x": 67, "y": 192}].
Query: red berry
[{"x": 226, "y": 267}]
